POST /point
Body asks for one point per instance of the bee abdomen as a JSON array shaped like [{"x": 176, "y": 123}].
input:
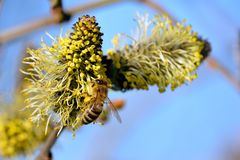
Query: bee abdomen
[{"x": 90, "y": 115}]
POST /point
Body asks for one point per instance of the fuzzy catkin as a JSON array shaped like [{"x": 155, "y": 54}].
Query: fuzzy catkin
[
  {"x": 61, "y": 73},
  {"x": 160, "y": 54},
  {"x": 19, "y": 135}
]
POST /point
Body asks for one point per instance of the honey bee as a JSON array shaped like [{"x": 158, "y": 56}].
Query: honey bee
[{"x": 95, "y": 102}]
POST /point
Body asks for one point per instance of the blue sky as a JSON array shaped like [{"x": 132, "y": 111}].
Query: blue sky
[{"x": 198, "y": 121}]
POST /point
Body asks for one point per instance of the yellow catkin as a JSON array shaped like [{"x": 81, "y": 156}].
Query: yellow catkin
[
  {"x": 64, "y": 71},
  {"x": 160, "y": 54},
  {"x": 18, "y": 135}
]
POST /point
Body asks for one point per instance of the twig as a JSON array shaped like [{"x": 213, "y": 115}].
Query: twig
[
  {"x": 211, "y": 61},
  {"x": 58, "y": 11},
  {"x": 14, "y": 33},
  {"x": 56, "y": 4},
  {"x": 51, "y": 140}
]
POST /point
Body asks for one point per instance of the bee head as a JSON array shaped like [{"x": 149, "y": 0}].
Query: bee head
[{"x": 101, "y": 82}]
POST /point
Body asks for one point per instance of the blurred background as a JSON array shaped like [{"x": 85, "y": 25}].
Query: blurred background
[{"x": 198, "y": 121}]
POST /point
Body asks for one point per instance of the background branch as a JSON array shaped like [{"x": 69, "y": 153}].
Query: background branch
[
  {"x": 11, "y": 34},
  {"x": 217, "y": 66},
  {"x": 58, "y": 11},
  {"x": 45, "y": 152}
]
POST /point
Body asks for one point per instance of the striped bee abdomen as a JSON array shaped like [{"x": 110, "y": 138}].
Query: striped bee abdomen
[
  {"x": 91, "y": 114},
  {"x": 97, "y": 94}
]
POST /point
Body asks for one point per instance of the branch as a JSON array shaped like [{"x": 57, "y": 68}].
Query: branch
[
  {"x": 211, "y": 61},
  {"x": 21, "y": 30},
  {"x": 45, "y": 153},
  {"x": 58, "y": 12}
]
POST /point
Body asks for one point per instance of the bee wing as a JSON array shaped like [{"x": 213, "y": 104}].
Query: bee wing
[{"x": 113, "y": 110}]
